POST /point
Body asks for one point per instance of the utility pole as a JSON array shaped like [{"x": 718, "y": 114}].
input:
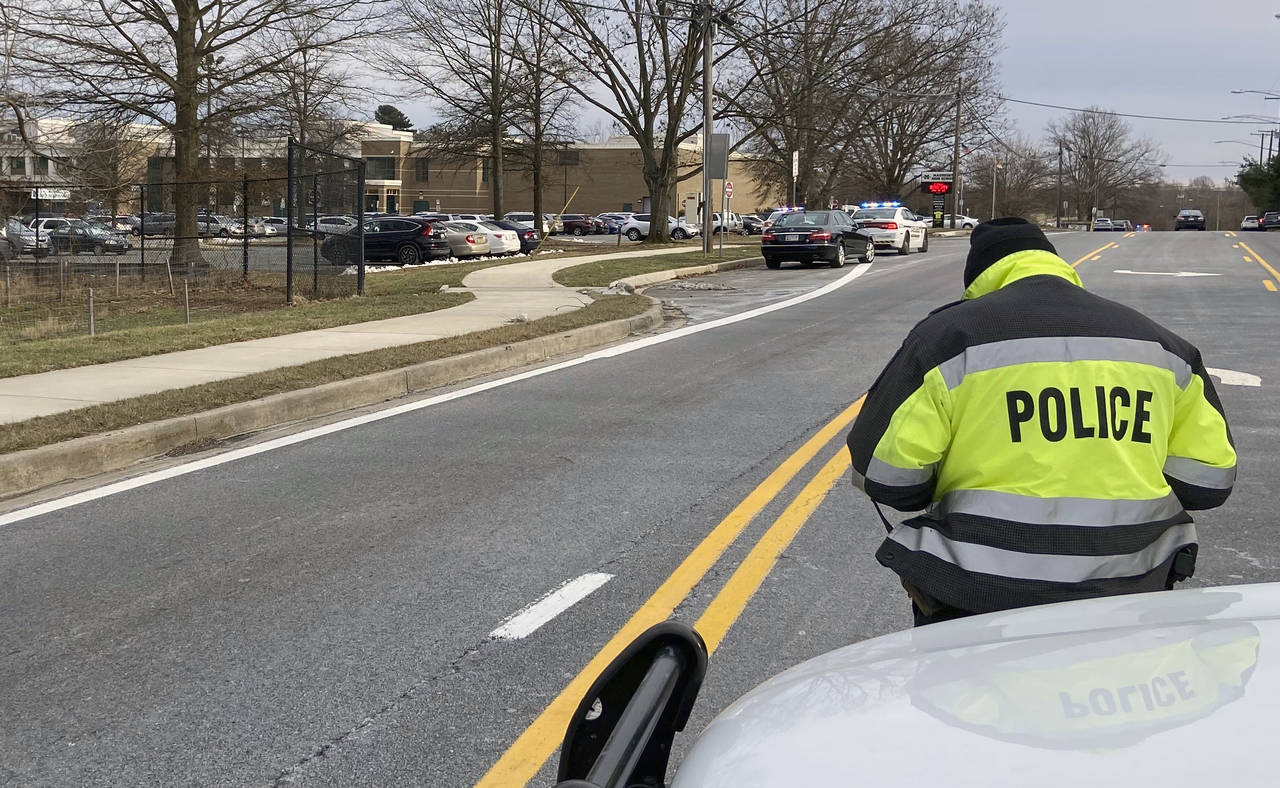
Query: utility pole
[
  {"x": 995, "y": 165},
  {"x": 1058, "y": 210},
  {"x": 955, "y": 164},
  {"x": 708, "y": 39}
]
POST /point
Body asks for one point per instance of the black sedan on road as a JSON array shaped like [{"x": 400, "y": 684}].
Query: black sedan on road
[
  {"x": 409, "y": 240},
  {"x": 81, "y": 237},
  {"x": 808, "y": 236},
  {"x": 529, "y": 238},
  {"x": 1189, "y": 219},
  {"x": 752, "y": 224}
]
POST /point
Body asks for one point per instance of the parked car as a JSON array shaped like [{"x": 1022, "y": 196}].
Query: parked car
[
  {"x": 23, "y": 239},
  {"x": 1189, "y": 219},
  {"x": 464, "y": 243},
  {"x": 45, "y": 226},
  {"x": 325, "y": 226},
  {"x": 407, "y": 240},
  {"x": 752, "y": 224},
  {"x": 157, "y": 224},
  {"x": 578, "y": 223},
  {"x": 529, "y": 237},
  {"x": 607, "y": 225},
  {"x": 1111, "y": 692},
  {"x": 809, "y": 236},
  {"x": 255, "y": 229},
  {"x": 213, "y": 225},
  {"x": 895, "y": 227},
  {"x": 1249, "y": 223},
  {"x": 1102, "y": 225},
  {"x": 501, "y": 240},
  {"x": 732, "y": 223},
  {"x": 554, "y": 223},
  {"x": 962, "y": 222},
  {"x": 637, "y": 227},
  {"x": 527, "y": 220},
  {"x": 1122, "y": 225},
  {"x": 80, "y": 237},
  {"x": 1269, "y": 221}
]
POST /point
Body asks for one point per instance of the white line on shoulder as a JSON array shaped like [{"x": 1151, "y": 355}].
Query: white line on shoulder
[
  {"x": 338, "y": 426},
  {"x": 528, "y": 620}
]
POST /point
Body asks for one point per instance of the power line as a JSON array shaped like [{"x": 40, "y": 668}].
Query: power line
[{"x": 1125, "y": 114}]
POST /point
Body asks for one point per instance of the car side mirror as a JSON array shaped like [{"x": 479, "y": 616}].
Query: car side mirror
[{"x": 621, "y": 733}]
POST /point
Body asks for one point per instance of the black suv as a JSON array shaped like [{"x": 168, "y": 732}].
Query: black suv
[
  {"x": 1190, "y": 219},
  {"x": 1269, "y": 221},
  {"x": 409, "y": 240}
]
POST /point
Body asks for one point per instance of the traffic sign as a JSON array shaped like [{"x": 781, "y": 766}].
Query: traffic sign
[
  {"x": 728, "y": 188},
  {"x": 939, "y": 177}
]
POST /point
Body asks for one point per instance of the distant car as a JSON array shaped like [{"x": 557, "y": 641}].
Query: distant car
[
  {"x": 48, "y": 225},
  {"x": 1121, "y": 225},
  {"x": 752, "y": 224},
  {"x": 527, "y": 219},
  {"x": 637, "y": 227},
  {"x": 23, "y": 240},
  {"x": 80, "y": 237},
  {"x": 1102, "y": 225},
  {"x": 333, "y": 225},
  {"x": 732, "y": 223},
  {"x": 1269, "y": 221},
  {"x": 895, "y": 227},
  {"x": 811, "y": 236},
  {"x": 407, "y": 240},
  {"x": 501, "y": 240},
  {"x": 529, "y": 237},
  {"x": 1189, "y": 219},
  {"x": 962, "y": 222},
  {"x": 157, "y": 224},
  {"x": 578, "y": 223},
  {"x": 464, "y": 243},
  {"x": 1249, "y": 223}
]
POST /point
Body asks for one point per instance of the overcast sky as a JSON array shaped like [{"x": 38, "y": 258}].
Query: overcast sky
[
  {"x": 1175, "y": 58},
  {"x": 1172, "y": 57}
]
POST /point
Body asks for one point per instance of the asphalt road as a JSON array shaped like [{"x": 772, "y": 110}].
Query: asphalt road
[{"x": 321, "y": 613}]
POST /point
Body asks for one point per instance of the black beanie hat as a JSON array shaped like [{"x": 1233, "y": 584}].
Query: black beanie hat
[{"x": 991, "y": 241}]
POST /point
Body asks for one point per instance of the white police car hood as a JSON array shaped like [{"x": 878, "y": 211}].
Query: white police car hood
[{"x": 1172, "y": 688}]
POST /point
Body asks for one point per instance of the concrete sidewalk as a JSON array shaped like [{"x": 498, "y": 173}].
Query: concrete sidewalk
[{"x": 519, "y": 291}]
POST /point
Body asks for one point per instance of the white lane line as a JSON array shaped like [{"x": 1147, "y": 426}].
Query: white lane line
[
  {"x": 1231, "y": 377},
  {"x": 153, "y": 477},
  {"x": 528, "y": 620}
]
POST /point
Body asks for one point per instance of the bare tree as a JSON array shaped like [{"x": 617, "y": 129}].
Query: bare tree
[
  {"x": 542, "y": 93},
  {"x": 1019, "y": 172},
  {"x": 313, "y": 90},
  {"x": 646, "y": 60},
  {"x": 184, "y": 65},
  {"x": 1102, "y": 158},
  {"x": 468, "y": 70}
]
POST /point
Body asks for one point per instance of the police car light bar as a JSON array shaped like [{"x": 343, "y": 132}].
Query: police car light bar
[{"x": 880, "y": 205}]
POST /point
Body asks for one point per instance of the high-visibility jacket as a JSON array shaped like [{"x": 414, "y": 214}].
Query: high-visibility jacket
[{"x": 1055, "y": 437}]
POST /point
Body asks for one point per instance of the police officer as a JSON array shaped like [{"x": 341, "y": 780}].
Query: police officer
[{"x": 1055, "y": 440}]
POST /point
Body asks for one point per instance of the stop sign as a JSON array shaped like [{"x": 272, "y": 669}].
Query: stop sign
[{"x": 728, "y": 188}]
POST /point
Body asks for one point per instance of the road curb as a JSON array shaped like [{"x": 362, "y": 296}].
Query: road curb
[
  {"x": 644, "y": 280},
  {"x": 32, "y": 469}
]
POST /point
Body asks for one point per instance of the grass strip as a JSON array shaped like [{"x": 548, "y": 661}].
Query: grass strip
[
  {"x": 605, "y": 272},
  {"x": 194, "y": 399}
]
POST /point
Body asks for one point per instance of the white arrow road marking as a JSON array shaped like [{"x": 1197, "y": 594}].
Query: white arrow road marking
[
  {"x": 1162, "y": 273},
  {"x": 1230, "y": 377},
  {"x": 527, "y": 621}
]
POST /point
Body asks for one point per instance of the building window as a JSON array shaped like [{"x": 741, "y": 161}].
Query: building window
[
  {"x": 422, "y": 169},
  {"x": 484, "y": 171},
  {"x": 380, "y": 168},
  {"x": 42, "y": 165},
  {"x": 570, "y": 158},
  {"x": 17, "y": 165}
]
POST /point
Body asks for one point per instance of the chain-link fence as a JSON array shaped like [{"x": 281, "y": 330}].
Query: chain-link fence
[
  {"x": 72, "y": 268},
  {"x": 325, "y": 248}
]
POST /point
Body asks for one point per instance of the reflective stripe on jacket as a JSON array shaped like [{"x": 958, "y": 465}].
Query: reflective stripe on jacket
[{"x": 1055, "y": 437}]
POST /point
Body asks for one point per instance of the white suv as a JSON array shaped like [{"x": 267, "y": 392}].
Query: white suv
[
  {"x": 520, "y": 217},
  {"x": 732, "y": 223},
  {"x": 637, "y": 227}
]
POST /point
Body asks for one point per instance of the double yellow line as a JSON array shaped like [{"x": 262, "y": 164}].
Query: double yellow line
[
  {"x": 1257, "y": 258},
  {"x": 521, "y": 762},
  {"x": 1094, "y": 255}
]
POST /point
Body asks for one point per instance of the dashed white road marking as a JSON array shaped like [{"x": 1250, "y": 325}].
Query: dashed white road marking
[
  {"x": 528, "y": 620},
  {"x": 1230, "y": 377}
]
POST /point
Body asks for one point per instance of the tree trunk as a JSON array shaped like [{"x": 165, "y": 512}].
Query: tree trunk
[
  {"x": 539, "y": 136},
  {"x": 659, "y": 177},
  {"x": 186, "y": 140}
]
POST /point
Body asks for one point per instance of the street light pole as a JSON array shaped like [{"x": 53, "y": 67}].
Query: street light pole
[
  {"x": 1058, "y": 210},
  {"x": 708, "y": 39},
  {"x": 995, "y": 165}
]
